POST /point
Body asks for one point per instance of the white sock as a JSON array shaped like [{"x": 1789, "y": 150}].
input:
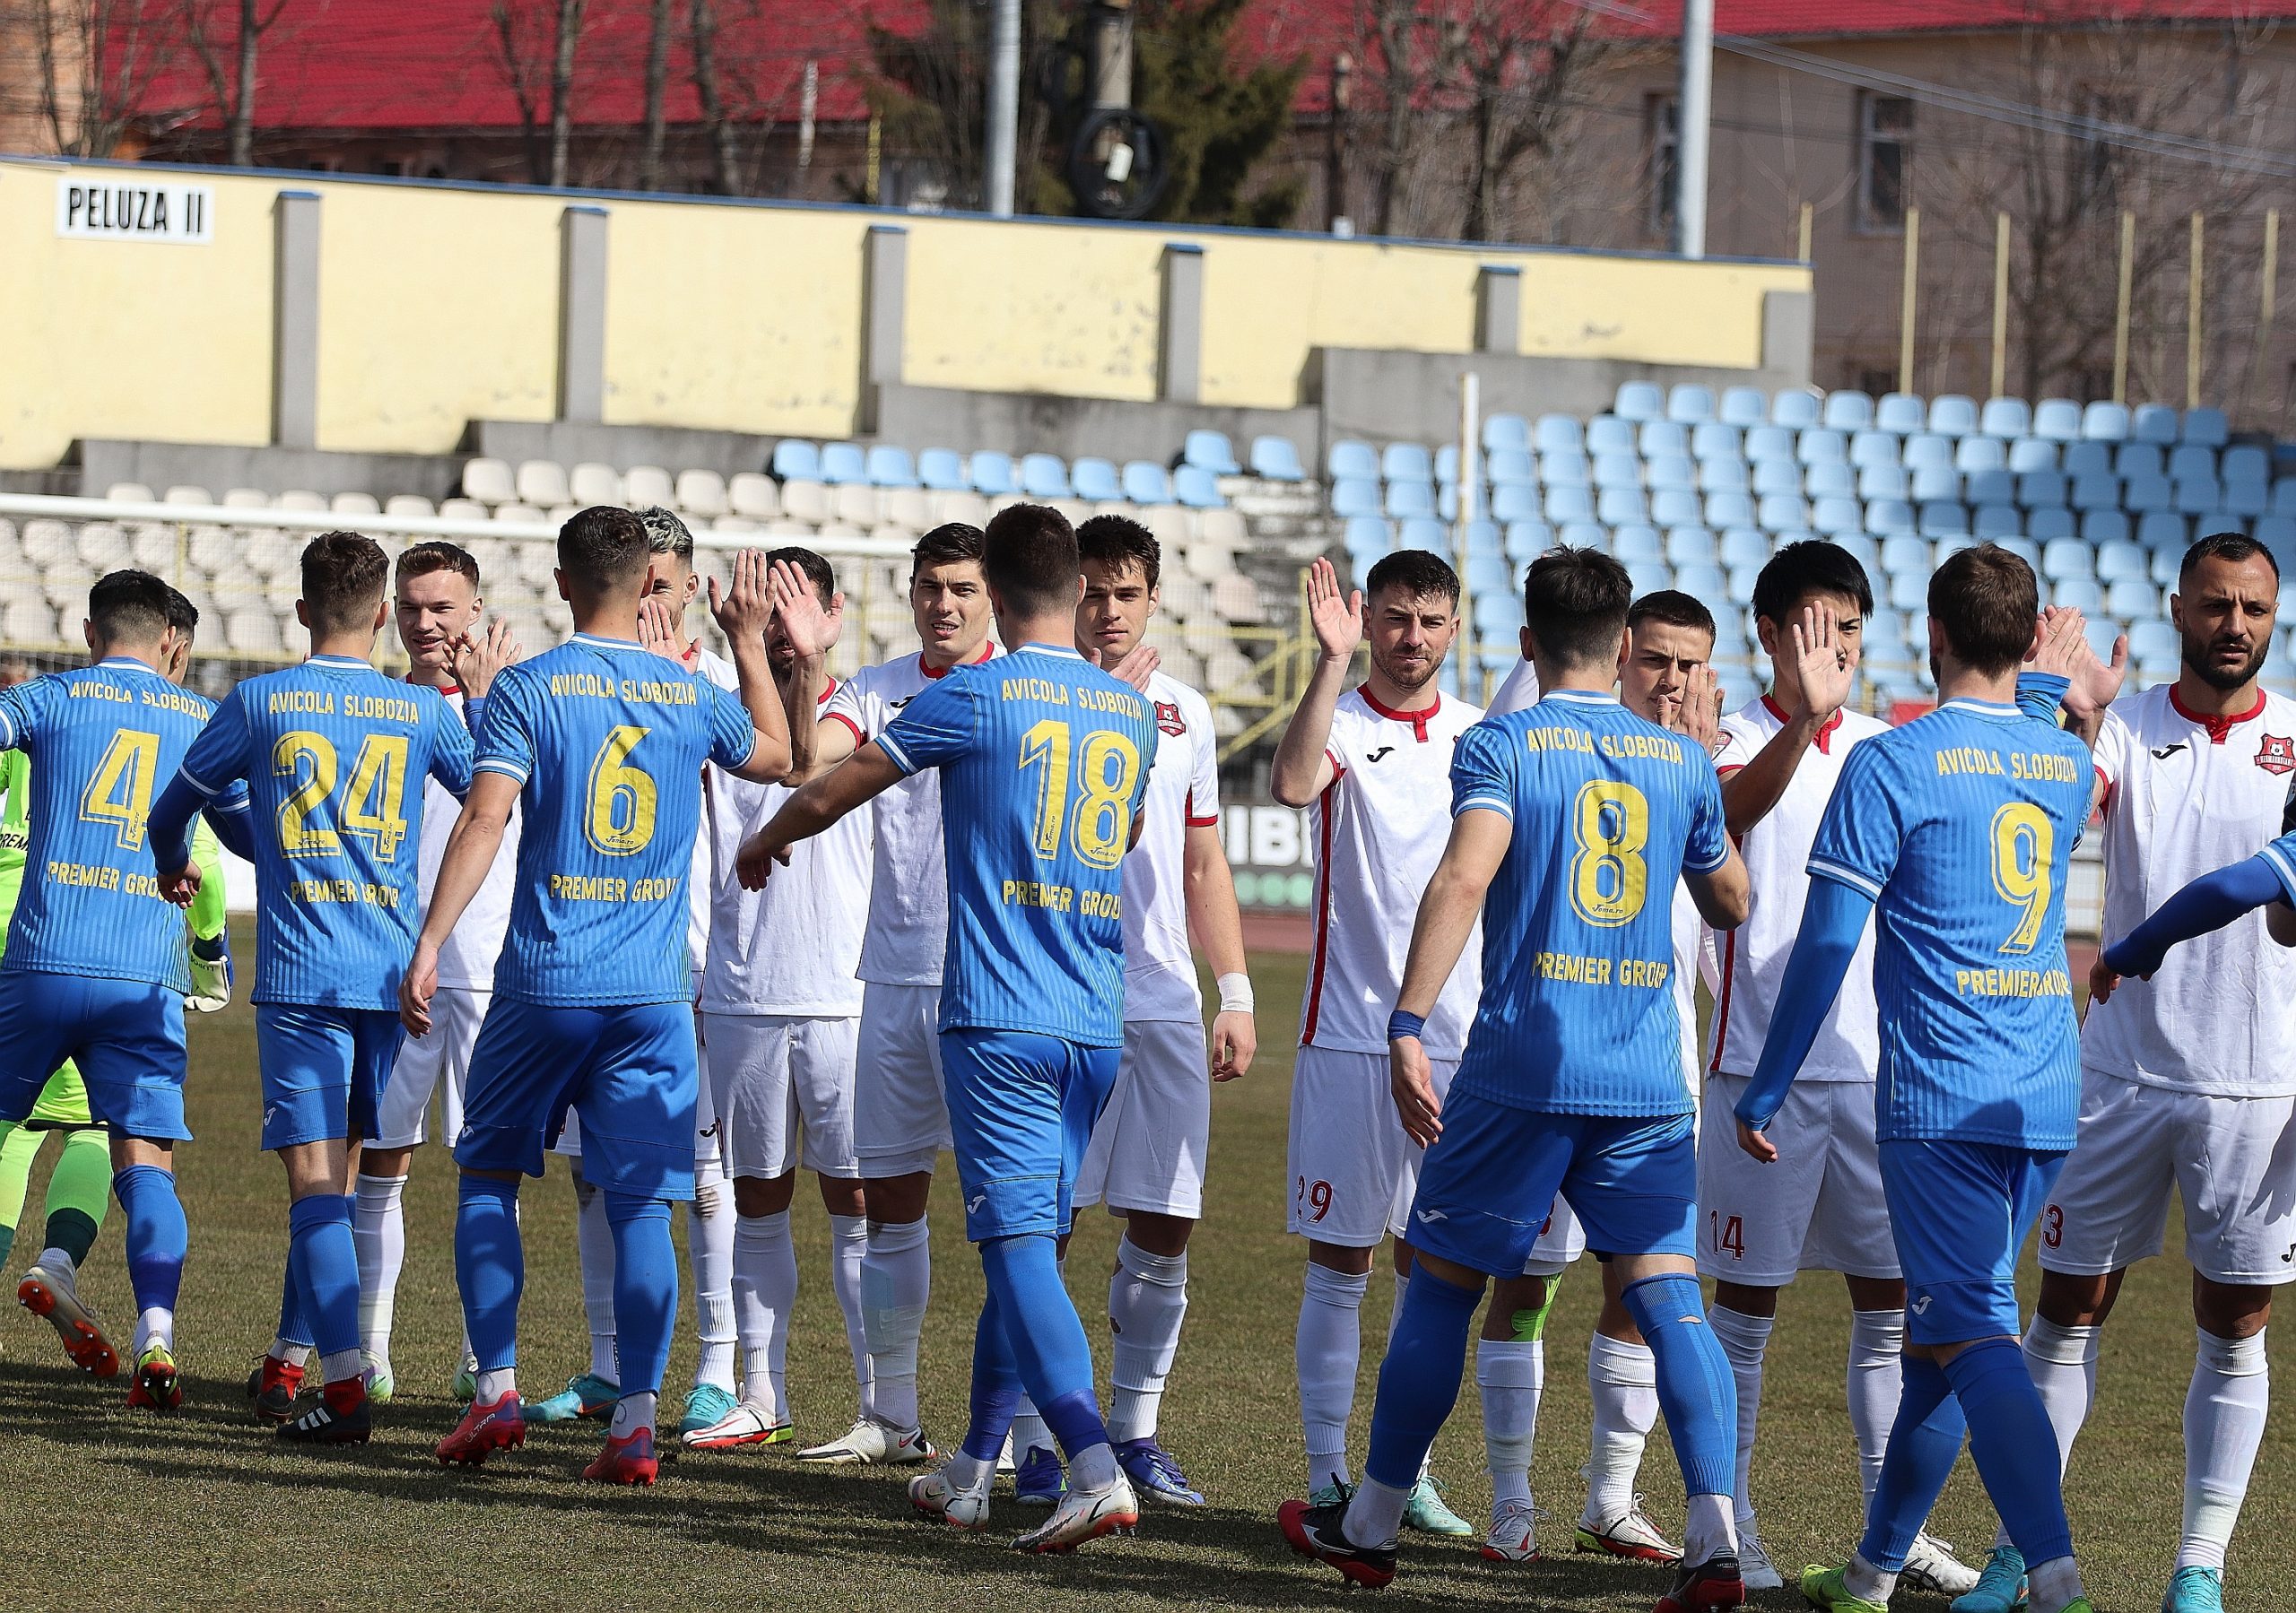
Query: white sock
[
  {"x": 2062, "y": 1362},
  {"x": 765, "y": 1291},
  {"x": 1374, "y": 1514},
  {"x": 2054, "y": 1585},
  {"x": 342, "y": 1364},
  {"x": 493, "y": 1385},
  {"x": 1147, "y": 1298},
  {"x": 1866, "y": 1583},
  {"x": 1395, "y": 1311},
  {"x": 1876, "y": 1378},
  {"x": 1707, "y": 1527},
  {"x": 896, "y": 1286},
  {"x": 967, "y": 1474},
  {"x": 379, "y": 1231},
  {"x": 1742, "y": 1339},
  {"x": 594, "y": 1243},
  {"x": 632, "y": 1413},
  {"x": 1030, "y": 1432},
  {"x": 2225, "y": 1416},
  {"x": 709, "y": 1245},
  {"x": 155, "y": 1325},
  {"x": 1622, "y": 1381},
  {"x": 1326, "y": 1351},
  {"x": 849, "y": 1236},
  {"x": 1093, "y": 1468},
  {"x": 1510, "y": 1373}
]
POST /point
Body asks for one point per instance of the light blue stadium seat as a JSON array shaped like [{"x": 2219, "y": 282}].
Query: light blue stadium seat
[
  {"x": 2190, "y": 460},
  {"x": 1691, "y": 546},
  {"x": 1584, "y": 534},
  {"x": 2283, "y": 496},
  {"x": 1743, "y": 406},
  {"x": 2116, "y": 562},
  {"x": 1703, "y": 583},
  {"x": 2278, "y": 534},
  {"x": 1669, "y": 470},
  {"x": 1662, "y": 437},
  {"x": 1565, "y": 467},
  {"x": 1932, "y": 482},
  {"x": 1729, "y": 509},
  {"x": 1193, "y": 487},
  {"x": 2162, "y": 529},
  {"x": 2081, "y": 592},
  {"x": 2145, "y": 494},
  {"x": 993, "y": 475},
  {"x": 1847, "y": 410},
  {"x": 1565, "y": 505},
  {"x": 1739, "y": 584},
  {"x": 1367, "y": 537},
  {"x": 1768, "y": 442},
  {"x": 1351, "y": 495},
  {"x": 1608, "y": 434},
  {"x": 2032, "y": 454},
  {"x": 2025, "y": 549},
  {"x": 1447, "y": 466},
  {"x": 1527, "y": 539},
  {"x": 2216, "y": 522},
  {"x": 1148, "y": 482},
  {"x": 2058, "y": 418},
  {"x": 1497, "y": 616},
  {"x": 1558, "y": 431},
  {"x": 2086, "y": 459},
  {"x": 1884, "y": 630},
  {"x": 1835, "y": 517},
  {"x": 2067, "y": 557},
  {"x": 1902, "y": 413},
  {"x": 1988, "y": 487},
  {"x": 1952, "y": 415},
  {"x": 1617, "y": 506},
  {"x": 1744, "y": 546},
  {"x": 1776, "y": 476},
  {"x": 1829, "y": 478},
  {"x": 2151, "y": 639},
  {"x": 2101, "y": 526},
  {"x": 1864, "y": 550},
  {"x": 2198, "y": 496},
  {"x": 1277, "y": 459},
  {"x": 2101, "y": 631},
  {"x": 1406, "y": 461},
  {"x": 1044, "y": 476},
  {"x": 1501, "y": 466},
  {"x": 1647, "y": 577},
  {"x": 2105, "y": 421},
  {"x": 1945, "y": 518},
  {"x": 2133, "y": 460},
  {"x": 1637, "y": 543},
  {"x": 1408, "y": 498},
  {"x": 1096, "y": 479},
  {"x": 2154, "y": 424},
  {"x": 2132, "y": 598},
  {"x": 2041, "y": 490},
  {"x": 1980, "y": 454},
  {"x": 1891, "y": 516},
  {"x": 2005, "y": 417},
  {"x": 1871, "y": 448},
  {"x": 797, "y": 460},
  {"x": 1618, "y": 470},
  {"x": 1927, "y": 451},
  {"x": 2244, "y": 462},
  {"x": 1352, "y": 460},
  {"x": 1211, "y": 451},
  {"x": 1795, "y": 409},
  {"x": 1675, "y": 507},
  {"x": 1779, "y": 512},
  {"x": 1488, "y": 572},
  {"x": 1905, "y": 552},
  {"x": 1947, "y": 548},
  {"x": 1506, "y": 434},
  {"x": 891, "y": 467},
  {"x": 1689, "y": 403},
  {"x": 1514, "y": 502},
  {"x": 1884, "y": 481},
  {"x": 1726, "y": 475},
  {"x": 1639, "y": 401},
  {"x": 2205, "y": 426},
  {"x": 1819, "y": 444},
  {"x": 1991, "y": 521},
  {"x": 1716, "y": 439},
  {"x": 2247, "y": 500},
  {"x": 943, "y": 470}
]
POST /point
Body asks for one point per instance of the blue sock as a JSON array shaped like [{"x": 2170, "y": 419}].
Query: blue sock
[
  {"x": 995, "y": 1385},
  {"x": 490, "y": 1268},
  {"x": 645, "y": 1289},
  {"x": 1695, "y": 1389},
  {"x": 1418, "y": 1380},
  {"x": 1925, "y": 1442},
  {"x": 326, "y": 1269},
  {"x": 1047, "y": 1339},
  {"x": 156, "y": 1234},
  {"x": 2013, "y": 1446},
  {"x": 292, "y": 1328}
]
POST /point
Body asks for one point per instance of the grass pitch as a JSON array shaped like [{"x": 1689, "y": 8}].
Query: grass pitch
[{"x": 106, "y": 1508}]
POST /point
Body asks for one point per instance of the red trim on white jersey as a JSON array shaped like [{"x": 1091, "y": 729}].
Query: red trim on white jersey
[
  {"x": 1722, "y": 1004},
  {"x": 931, "y": 672},
  {"x": 1825, "y": 734},
  {"x": 851, "y": 726},
  {"x": 1417, "y": 719},
  {"x": 1323, "y": 917},
  {"x": 2218, "y": 728},
  {"x": 1187, "y": 813}
]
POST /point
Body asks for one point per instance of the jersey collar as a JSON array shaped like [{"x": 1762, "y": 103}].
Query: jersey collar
[
  {"x": 1067, "y": 652},
  {"x": 1825, "y": 734},
  {"x": 600, "y": 641},
  {"x": 2218, "y": 727},
  {"x": 932, "y": 672},
  {"x": 126, "y": 663},
  {"x": 1417, "y": 719},
  {"x": 1987, "y": 708},
  {"x": 340, "y": 662}
]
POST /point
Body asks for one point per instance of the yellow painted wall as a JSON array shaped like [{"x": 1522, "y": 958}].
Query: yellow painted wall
[{"x": 1032, "y": 308}]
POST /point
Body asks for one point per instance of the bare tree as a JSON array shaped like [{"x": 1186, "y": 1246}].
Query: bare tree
[
  {"x": 562, "y": 89},
  {"x": 724, "y": 147},
  {"x": 657, "y": 78},
  {"x": 94, "y": 64},
  {"x": 521, "y": 43},
  {"x": 234, "y": 89}
]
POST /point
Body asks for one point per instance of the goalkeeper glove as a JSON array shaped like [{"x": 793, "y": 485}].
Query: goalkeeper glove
[{"x": 210, "y": 972}]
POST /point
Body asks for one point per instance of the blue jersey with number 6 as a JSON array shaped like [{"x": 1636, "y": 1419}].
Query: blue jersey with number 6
[
  {"x": 1577, "y": 1012},
  {"x": 1960, "y": 826},
  {"x": 335, "y": 755},
  {"x": 607, "y": 740},
  {"x": 1044, "y": 760}
]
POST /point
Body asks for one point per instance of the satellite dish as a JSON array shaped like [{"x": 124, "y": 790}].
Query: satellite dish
[{"x": 1115, "y": 165}]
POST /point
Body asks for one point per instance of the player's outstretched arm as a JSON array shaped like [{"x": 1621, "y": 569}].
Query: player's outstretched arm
[
  {"x": 2061, "y": 649},
  {"x": 743, "y": 612},
  {"x": 1302, "y": 769},
  {"x": 1813, "y": 684},
  {"x": 817, "y": 804},
  {"x": 1724, "y": 894},
  {"x": 2209, "y": 902},
  {"x": 1447, "y": 910},
  {"x": 1209, "y": 887},
  {"x": 1833, "y": 920},
  {"x": 470, "y": 853}
]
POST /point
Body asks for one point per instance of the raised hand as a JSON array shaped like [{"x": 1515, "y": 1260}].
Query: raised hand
[
  {"x": 1138, "y": 667},
  {"x": 1337, "y": 617},
  {"x": 2062, "y": 648},
  {"x": 477, "y": 660},
  {"x": 811, "y": 630},
  {"x": 1699, "y": 717},
  {"x": 1821, "y": 661},
  {"x": 657, "y": 628},
  {"x": 744, "y": 608}
]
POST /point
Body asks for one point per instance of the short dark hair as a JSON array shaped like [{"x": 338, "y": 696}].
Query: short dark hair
[
  {"x": 1812, "y": 565},
  {"x": 2230, "y": 546},
  {"x": 1117, "y": 541},
  {"x": 946, "y": 545},
  {"x": 1672, "y": 607},
  {"x": 601, "y": 548},
  {"x": 818, "y": 571},
  {"x": 183, "y": 616},
  {"x": 1029, "y": 559},
  {"x": 128, "y": 607},
  {"x": 436, "y": 554},
  {"x": 344, "y": 573},
  {"x": 1420, "y": 572},
  {"x": 1985, "y": 600},
  {"x": 1575, "y": 602},
  {"x": 665, "y": 533}
]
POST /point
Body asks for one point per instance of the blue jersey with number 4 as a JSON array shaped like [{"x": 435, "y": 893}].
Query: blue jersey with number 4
[
  {"x": 335, "y": 755},
  {"x": 1577, "y": 1012},
  {"x": 607, "y": 740},
  {"x": 1044, "y": 760},
  {"x": 106, "y": 740},
  {"x": 1960, "y": 826}
]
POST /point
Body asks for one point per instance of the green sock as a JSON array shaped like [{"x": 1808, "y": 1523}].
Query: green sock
[
  {"x": 78, "y": 1190},
  {"x": 18, "y": 1148}
]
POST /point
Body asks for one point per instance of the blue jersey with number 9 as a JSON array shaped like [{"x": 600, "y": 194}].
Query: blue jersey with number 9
[
  {"x": 1577, "y": 1012},
  {"x": 1044, "y": 760},
  {"x": 607, "y": 740}
]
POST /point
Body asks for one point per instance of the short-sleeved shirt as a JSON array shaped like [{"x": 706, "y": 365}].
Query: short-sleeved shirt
[
  {"x": 334, "y": 755},
  {"x": 466, "y": 959},
  {"x": 909, "y": 885},
  {"x": 1045, "y": 761},
  {"x": 1960, "y": 826},
  {"x": 106, "y": 740},
  {"x": 1183, "y": 794},
  {"x": 2186, "y": 794},
  {"x": 606, "y": 740},
  {"x": 1578, "y": 1011},
  {"x": 1777, "y": 853},
  {"x": 1379, "y": 829}
]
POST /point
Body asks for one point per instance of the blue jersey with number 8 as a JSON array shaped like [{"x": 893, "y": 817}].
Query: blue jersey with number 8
[
  {"x": 607, "y": 740},
  {"x": 1044, "y": 760},
  {"x": 1960, "y": 826}
]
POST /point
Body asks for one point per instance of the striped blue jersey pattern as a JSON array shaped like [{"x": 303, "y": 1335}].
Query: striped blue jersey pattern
[
  {"x": 1578, "y": 1014},
  {"x": 1960, "y": 826},
  {"x": 607, "y": 739},
  {"x": 1044, "y": 761},
  {"x": 334, "y": 755},
  {"x": 104, "y": 740}
]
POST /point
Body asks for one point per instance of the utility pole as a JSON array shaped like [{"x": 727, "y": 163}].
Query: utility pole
[
  {"x": 1694, "y": 120},
  {"x": 1003, "y": 105},
  {"x": 1343, "y": 98}
]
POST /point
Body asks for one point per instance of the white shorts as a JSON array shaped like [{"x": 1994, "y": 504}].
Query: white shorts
[
  {"x": 1816, "y": 1208},
  {"x": 1352, "y": 1163},
  {"x": 439, "y": 1063},
  {"x": 1561, "y": 1241},
  {"x": 2232, "y": 1160},
  {"x": 900, "y": 1119},
  {"x": 1147, "y": 1150},
  {"x": 773, "y": 1078}
]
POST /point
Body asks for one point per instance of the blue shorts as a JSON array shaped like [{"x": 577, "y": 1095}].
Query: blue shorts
[
  {"x": 127, "y": 1036},
  {"x": 629, "y": 1070},
  {"x": 1960, "y": 1212},
  {"x": 1486, "y": 1186},
  {"x": 324, "y": 1069},
  {"x": 1021, "y": 1109}
]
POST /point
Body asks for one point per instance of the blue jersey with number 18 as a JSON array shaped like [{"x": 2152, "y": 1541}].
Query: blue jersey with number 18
[
  {"x": 1960, "y": 826},
  {"x": 607, "y": 740},
  {"x": 1577, "y": 1013},
  {"x": 1044, "y": 760}
]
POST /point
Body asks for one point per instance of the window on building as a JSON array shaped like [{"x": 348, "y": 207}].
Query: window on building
[
  {"x": 1662, "y": 143},
  {"x": 1884, "y": 161}
]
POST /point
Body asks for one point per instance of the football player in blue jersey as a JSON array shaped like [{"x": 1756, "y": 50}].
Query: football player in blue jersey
[
  {"x": 1044, "y": 761},
  {"x": 1954, "y": 834},
  {"x": 600, "y": 745},
  {"x": 1574, "y": 817},
  {"x": 333, "y": 756},
  {"x": 94, "y": 970}
]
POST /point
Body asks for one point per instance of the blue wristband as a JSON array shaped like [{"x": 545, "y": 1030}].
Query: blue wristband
[{"x": 1401, "y": 1025}]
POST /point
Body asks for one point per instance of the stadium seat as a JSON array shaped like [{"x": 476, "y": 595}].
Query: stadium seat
[
  {"x": 701, "y": 493},
  {"x": 1045, "y": 476},
  {"x": 2058, "y": 419},
  {"x": 1556, "y": 433},
  {"x": 2133, "y": 460},
  {"x": 1676, "y": 507},
  {"x": 591, "y": 484},
  {"x": 906, "y": 507},
  {"x": 1506, "y": 434},
  {"x": 1196, "y": 487},
  {"x": 1608, "y": 434},
  {"x": 993, "y": 473},
  {"x": 1901, "y": 412},
  {"x": 797, "y": 460},
  {"x": 1406, "y": 499},
  {"x": 2086, "y": 459},
  {"x": 1617, "y": 470},
  {"x": 2205, "y": 426},
  {"x": 1873, "y": 448},
  {"x": 2154, "y": 424},
  {"x": 2190, "y": 461},
  {"x": 1927, "y": 451},
  {"x": 1689, "y": 403},
  {"x": 1355, "y": 497},
  {"x": 1406, "y": 461},
  {"x": 647, "y": 484},
  {"x": 345, "y": 504},
  {"x": 2162, "y": 529},
  {"x": 1906, "y": 554},
  {"x": 889, "y": 465},
  {"x": 942, "y": 470},
  {"x": 1211, "y": 451},
  {"x": 1884, "y": 481},
  {"x": 1945, "y": 518},
  {"x": 1691, "y": 546},
  {"x": 1525, "y": 540},
  {"x": 2116, "y": 562},
  {"x": 1848, "y": 411},
  {"x": 1637, "y": 542},
  {"x": 1146, "y": 482},
  {"x": 2147, "y": 494},
  {"x": 1669, "y": 470},
  {"x": 2101, "y": 526},
  {"x": 2032, "y": 454},
  {"x": 1889, "y": 516},
  {"x": 2244, "y": 463},
  {"x": 2278, "y": 534},
  {"x": 1565, "y": 505},
  {"x": 1503, "y": 466},
  {"x": 1988, "y": 487},
  {"x": 2105, "y": 421},
  {"x": 1768, "y": 443},
  {"x": 1866, "y": 552},
  {"x": 2041, "y": 490},
  {"x": 2133, "y": 599},
  {"x": 1744, "y": 546},
  {"x": 1795, "y": 409},
  {"x": 1739, "y": 583},
  {"x": 1349, "y": 460},
  {"x": 844, "y": 461},
  {"x": 1617, "y": 506},
  {"x": 1716, "y": 439},
  {"x": 1639, "y": 401},
  {"x": 488, "y": 481},
  {"x": 1836, "y": 517},
  {"x": 1935, "y": 482},
  {"x": 1097, "y": 479},
  {"x": 2067, "y": 557},
  {"x": 1424, "y": 532},
  {"x": 1822, "y": 443},
  {"x": 753, "y": 496},
  {"x": 1776, "y": 476},
  {"x": 1662, "y": 439},
  {"x": 2247, "y": 500},
  {"x": 1722, "y": 510},
  {"x": 1979, "y": 454},
  {"x": 1779, "y": 512},
  {"x": 1829, "y": 478},
  {"x": 1565, "y": 467},
  {"x": 1991, "y": 521},
  {"x": 1514, "y": 502},
  {"x": 2198, "y": 496},
  {"x": 2007, "y": 417},
  {"x": 2081, "y": 592},
  {"x": 1705, "y": 583},
  {"x": 1952, "y": 415}
]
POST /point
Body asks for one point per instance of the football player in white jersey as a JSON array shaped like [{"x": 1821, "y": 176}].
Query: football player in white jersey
[
  {"x": 901, "y": 1121},
  {"x": 1374, "y": 763},
  {"x": 1779, "y": 759},
  {"x": 2188, "y": 1078}
]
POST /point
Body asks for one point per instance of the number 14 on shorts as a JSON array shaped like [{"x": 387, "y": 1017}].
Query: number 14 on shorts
[{"x": 1727, "y": 1233}]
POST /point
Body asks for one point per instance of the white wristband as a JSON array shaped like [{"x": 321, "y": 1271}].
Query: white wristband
[{"x": 1235, "y": 994}]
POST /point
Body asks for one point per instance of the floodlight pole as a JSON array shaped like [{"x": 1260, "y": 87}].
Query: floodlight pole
[
  {"x": 1694, "y": 127},
  {"x": 1003, "y": 105}
]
